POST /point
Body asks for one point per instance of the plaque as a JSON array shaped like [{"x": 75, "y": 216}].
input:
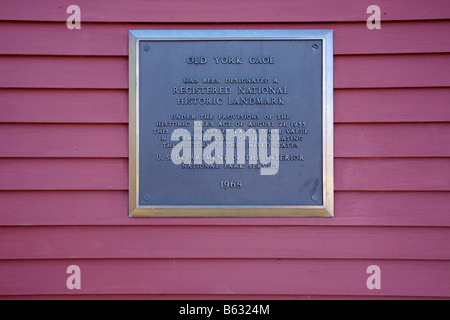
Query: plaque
[{"x": 231, "y": 123}]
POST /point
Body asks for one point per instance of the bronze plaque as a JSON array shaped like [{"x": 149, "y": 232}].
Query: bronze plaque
[{"x": 231, "y": 123}]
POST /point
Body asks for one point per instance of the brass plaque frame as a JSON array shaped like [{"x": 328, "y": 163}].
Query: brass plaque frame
[{"x": 324, "y": 210}]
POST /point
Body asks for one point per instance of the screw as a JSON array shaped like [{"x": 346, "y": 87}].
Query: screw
[
  {"x": 146, "y": 48},
  {"x": 146, "y": 197},
  {"x": 315, "y": 46},
  {"x": 315, "y": 197}
]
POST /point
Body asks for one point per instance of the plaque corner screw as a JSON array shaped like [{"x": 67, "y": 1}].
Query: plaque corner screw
[
  {"x": 146, "y": 48},
  {"x": 315, "y": 46},
  {"x": 315, "y": 197}
]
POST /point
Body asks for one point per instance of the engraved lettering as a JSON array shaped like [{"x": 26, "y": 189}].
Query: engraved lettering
[
  {"x": 197, "y": 60},
  {"x": 228, "y": 60},
  {"x": 261, "y": 60}
]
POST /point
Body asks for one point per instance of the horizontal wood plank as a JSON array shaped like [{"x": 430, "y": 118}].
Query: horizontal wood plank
[
  {"x": 111, "y": 106},
  {"x": 422, "y": 70},
  {"x": 392, "y": 105},
  {"x": 64, "y": 72},
  {"x": 64, "y": 140},
  {"x": 226, "y": 276},
  {"x": 63, "y": 106},
  {"x": 420, "y": 174},
  {"x": 111, "y": 140},
  {"x": 66, "y": 174},
  {"x": 218, "y": 11},
  {"x": 385, "y": 71},
  {"x": 189, "y": 242},
  {"x": 96, "y": 208},
  {"x": 392, "y": 140},
  {"x": 392, "y": 174},
  {"x": 44, "y": 38}
]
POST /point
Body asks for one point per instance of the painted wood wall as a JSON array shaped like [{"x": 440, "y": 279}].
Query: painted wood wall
[{"x": 64, "y": 160}]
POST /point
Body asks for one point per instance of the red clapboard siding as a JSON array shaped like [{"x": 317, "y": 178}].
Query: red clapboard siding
[
  {"x": 419, "y": 174},
  {"x": 64, "y": 160},
  {"x": 44, "y": 38},
  {"x": 392, "y": 71},
  {"x": 392, "y": 174},
  {"x": 64, "y": 174},
  {"x": 63, "y": 140},
  {"x": 64, "y": 72},
  {"x": 425, "y": 70},
  {"x": 218, "y": 11},
  {"x": 107, "y": 140},
  {"x": 411, "y": 243},
  {"x": 63, "y": 106},
  {"x": 111, "y": 106},
  {"x": 392, "y": 105},
  {"x": 227, "y": 276},
  {"x": 392, "y": 140},
  {"x": 43, "y": 208}
]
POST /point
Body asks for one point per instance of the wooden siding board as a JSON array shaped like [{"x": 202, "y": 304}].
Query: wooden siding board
[
  {"x": 378, "y": 71},
  {"x": 65, "y": 174},
  {"x": 392, "y": 140},
  {"x": 111, "y": 106},
  {"x": 384, "y": 71},
  {"x": 230, "y": 242},
  {"x": 111, "y": 39},
  {"x": 64, "y": 72},
  {"x": 392, "y": 174},
  {"x": 392, "y": 105},
  {"x": 226, "y": 276},
  {"x": 64, "y": 140},
  {"x": 63, "y": 106},
  {"x": 218, "y": 11},
  {"x": 97, "y": 208}
]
